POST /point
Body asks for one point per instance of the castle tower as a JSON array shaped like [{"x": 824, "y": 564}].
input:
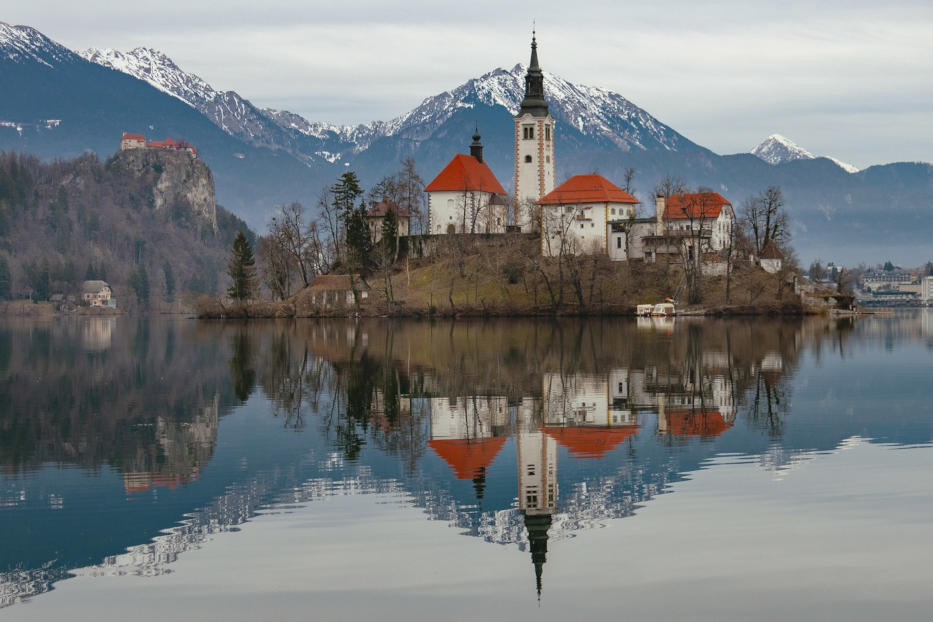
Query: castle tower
[{"x": 534, "y": 146}]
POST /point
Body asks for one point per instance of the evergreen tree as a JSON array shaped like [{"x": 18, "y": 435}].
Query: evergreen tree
[
  {"x": 89, "y": 274},
  {"x": 139, "y": 281},
  {"x": 359, "y": 244},
  {"x": 41, "y": 283},
  {"x": 390, "y": 232},
  {"x": 6, "y": 280},
  {"x": 241, "y": 269}
]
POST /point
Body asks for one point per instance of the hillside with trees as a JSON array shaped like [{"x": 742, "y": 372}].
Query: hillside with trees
[{"x": 145, "y": 222}]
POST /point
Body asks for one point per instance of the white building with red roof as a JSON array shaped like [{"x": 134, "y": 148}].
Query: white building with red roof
[
  {"x": 376, "y": 215},
  {"x": 132, "y": 141},
  {"x": 466, "y": 197},
  {"x": 587, "y": 214},
  {"x": 706, "y": 216}
]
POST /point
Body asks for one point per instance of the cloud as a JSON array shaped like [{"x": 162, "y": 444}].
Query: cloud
[{"x": 725, "y": 73}]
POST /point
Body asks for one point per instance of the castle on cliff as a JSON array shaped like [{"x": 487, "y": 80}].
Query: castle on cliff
[{"x": 138, "y": 141}]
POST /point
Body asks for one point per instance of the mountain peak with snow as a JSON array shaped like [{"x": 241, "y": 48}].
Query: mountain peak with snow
[
  {"x": 26, "y": 44},
  {"x": 777, "y": 149}
]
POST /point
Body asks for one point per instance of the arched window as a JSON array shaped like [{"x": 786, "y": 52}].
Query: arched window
[{"x": 527, "y": 158}]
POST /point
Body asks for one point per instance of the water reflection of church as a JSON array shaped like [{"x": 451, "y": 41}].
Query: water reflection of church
[{"x": 588, "y": 415}]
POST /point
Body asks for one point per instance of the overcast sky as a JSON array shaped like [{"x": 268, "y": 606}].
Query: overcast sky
[{"x": 846, "y": 79}]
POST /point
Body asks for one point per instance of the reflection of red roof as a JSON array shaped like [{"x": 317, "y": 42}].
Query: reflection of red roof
[
  {"x": 694, "y": 205},
  {"x": 590, "y": 442},
  {"x": 467, "y": 457},
  {"x": 587, "y": 189},
  {"x": 466, "y": 173},
  {"x": 696, "y": 422},
  {"x": 128, "y": 136}
]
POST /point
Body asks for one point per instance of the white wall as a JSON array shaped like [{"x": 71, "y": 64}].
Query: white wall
[{"x": 467, "y": 212}]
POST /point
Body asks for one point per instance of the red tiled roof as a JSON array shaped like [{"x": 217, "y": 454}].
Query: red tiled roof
[
  {"x": 590, "y": 442},
  {"x": 696, "y": 422},
  {"x": 128, "y": 136},
  {"x": 587, "y": 189},
  {"x": 380, "y": 209},
  {"x": 465, "y": 172},
  {"x": 694, "y": 205},
  {"x": 467, "y": 457}
]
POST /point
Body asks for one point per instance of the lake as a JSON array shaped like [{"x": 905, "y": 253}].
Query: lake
[{"x": 652, "y": 469}]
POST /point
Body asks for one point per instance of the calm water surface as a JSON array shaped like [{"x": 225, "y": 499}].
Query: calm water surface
[{"x": 653, "y": 470}]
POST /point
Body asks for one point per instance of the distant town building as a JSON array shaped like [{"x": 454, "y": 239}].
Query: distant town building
[
  {"x": 138, "y": 141},
  {"x": 926, "y": 289},
  {"x": 466, "y": 197},
  {"x": 97, "y": 294},
  {"x": 376, "y": 216}
]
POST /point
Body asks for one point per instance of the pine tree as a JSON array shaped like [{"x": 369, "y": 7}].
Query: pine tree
[
  {"x": 89, "y": 274},
  {"x": 241, "y": 269},
  {"x": 359, "y": 244},
  {"x": 390, "y": 232},
  {"x": 139, "y": 281}
]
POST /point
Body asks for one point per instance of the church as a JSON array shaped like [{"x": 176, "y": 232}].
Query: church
[{"x": 466, "y": 197}]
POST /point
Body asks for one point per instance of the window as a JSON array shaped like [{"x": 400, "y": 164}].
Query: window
[
  {"x": 527, "y": 158},
  {"x": 528, "y": 132},
  {"x": 547, "y": 159},
  {"x": 547, "y": 132},
  {"x": 613, "y": 211},
  {"x": 531, "y": 469},
  {"x": 618, "y": 242}
]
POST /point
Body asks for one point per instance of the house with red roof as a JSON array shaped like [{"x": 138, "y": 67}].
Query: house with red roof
[
  {"x": 700, "y": 223},
  {"x": 466, "y": 197},
  {"x": 132, "y": 141},
  {"x": 589, "y": 214}
]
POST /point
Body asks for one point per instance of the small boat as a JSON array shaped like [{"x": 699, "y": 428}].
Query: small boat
[
  {"x": 644, "y": 310},
  {"x": 663, "y": 309}
]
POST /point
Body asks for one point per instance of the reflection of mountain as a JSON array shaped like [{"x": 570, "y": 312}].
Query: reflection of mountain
[{"x": 515, "y": 432}]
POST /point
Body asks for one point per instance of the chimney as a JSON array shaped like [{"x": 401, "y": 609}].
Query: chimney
[
  {"x": 476, "y": 147},
  {"x": 659, "y": 214}
]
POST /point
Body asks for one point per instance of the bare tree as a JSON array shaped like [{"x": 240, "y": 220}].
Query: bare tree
[
  {"x": 765, "y": 219},
  {"x": 669, "y": 185},
  {"x": 628, "y": 176},
  {"x": 289, "y": 231}
]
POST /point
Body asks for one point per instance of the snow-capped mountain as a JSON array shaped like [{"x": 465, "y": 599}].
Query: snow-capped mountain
[
  {"x": 23, "y": 44},
  {"x": 776, "y": 149},
  {"x": 597, "y": 114},
  {"x": 226, "y": 109}
]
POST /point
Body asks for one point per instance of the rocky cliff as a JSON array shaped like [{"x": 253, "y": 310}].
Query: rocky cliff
[{"x": 180, "y": 182}]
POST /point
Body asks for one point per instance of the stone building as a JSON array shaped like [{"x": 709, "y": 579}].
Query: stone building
[{"x": 376, "y": 215}]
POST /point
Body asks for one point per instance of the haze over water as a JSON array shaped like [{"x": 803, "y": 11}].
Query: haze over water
[{"x": 651, "y": 469}]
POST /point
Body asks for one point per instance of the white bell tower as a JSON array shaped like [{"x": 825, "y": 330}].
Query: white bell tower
[{"x": 534, "y": 146}]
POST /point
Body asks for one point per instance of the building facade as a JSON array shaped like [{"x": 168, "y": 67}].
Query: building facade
[
  {"x": 466, "y": 197},
  {"x": 587, "y": 214},
  {"x": 534, "y": 147}
]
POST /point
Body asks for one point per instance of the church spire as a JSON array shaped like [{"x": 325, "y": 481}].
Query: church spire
[
  {"x": 476, "y": 147},
  {"x": 534, "y": 102}
]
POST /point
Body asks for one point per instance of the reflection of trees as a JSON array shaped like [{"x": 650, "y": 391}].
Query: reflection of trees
[
  {"x": 242, "y": 375},
  {"x": 149, "y": 412}
]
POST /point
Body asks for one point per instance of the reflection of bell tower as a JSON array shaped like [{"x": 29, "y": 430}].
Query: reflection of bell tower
[{"x": 537, "y": 484}]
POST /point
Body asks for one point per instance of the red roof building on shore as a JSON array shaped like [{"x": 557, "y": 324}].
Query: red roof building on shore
[
  {"x": 581, "y": 189},
  {"x": 694, "y": 205}
]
